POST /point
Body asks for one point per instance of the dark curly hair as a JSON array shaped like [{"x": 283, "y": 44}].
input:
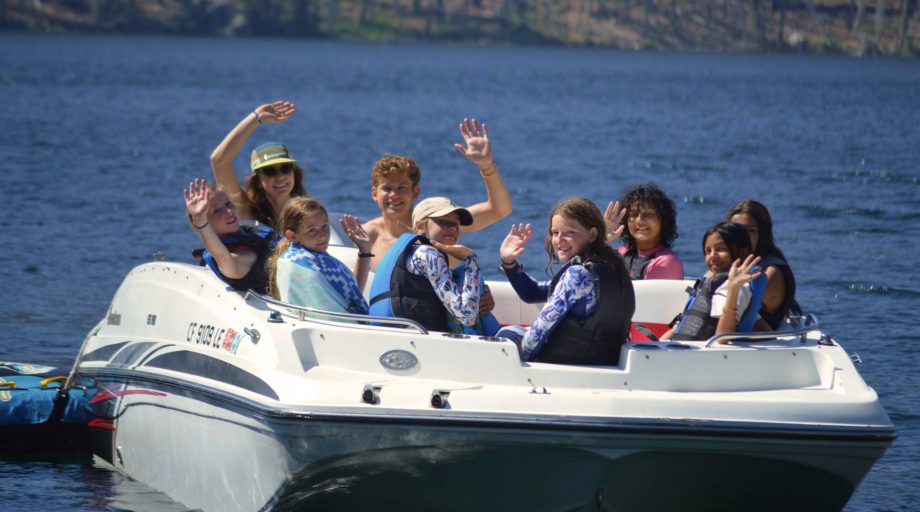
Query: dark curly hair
[{"x": 650, "y": 196}]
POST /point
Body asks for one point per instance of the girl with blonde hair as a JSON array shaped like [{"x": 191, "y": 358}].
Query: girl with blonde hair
[{"x": 302, "y": 273}]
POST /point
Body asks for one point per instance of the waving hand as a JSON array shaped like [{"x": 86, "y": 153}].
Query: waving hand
[
  {"x": 478, "y": 148},
  {"x": 196, "y": 200},
  {"x": 513, "y": 245},
  {"x": 276, "y": 112},
  {"x": 613, "y": 220}
]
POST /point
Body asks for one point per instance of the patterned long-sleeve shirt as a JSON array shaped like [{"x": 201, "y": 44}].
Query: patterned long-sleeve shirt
[
  {"x": 576, "y": 293},
  {"x": 461, "y": 302}
]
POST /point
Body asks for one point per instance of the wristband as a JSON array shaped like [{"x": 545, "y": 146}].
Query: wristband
[
  {"x": 202, "y": 226},
  {"x": 258, "y": 116},
  {"x": 365, "y": 255}
]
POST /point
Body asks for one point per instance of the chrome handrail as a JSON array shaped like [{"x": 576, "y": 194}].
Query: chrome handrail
[
  {"x": 303, "y": 310},
  {"x": 810, "y": 325}
]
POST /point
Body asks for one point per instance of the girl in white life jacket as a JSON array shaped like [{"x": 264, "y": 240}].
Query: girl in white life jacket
[{"x": 728, "y": 297}]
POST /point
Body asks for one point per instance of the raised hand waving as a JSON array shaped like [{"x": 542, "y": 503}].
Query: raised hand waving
[{"x": 478, "y": 149}]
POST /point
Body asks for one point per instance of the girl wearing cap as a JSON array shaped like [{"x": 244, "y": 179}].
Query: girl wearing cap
[
  {"x": 414, "y": 279},
  {"x": 589, "y": 302},
  {"x": 275, "y": 176}
]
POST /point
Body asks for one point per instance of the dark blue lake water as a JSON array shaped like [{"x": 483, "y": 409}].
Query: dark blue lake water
[{"x": 98, "y": 136}]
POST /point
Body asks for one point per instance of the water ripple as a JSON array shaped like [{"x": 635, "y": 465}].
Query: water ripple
[{"x": 878, "y": 289}]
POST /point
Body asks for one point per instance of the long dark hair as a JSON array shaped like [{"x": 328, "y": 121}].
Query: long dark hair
[
  {"x": 259, "y": 206},
  {"x": 651, "y": 196},
  {"x": 586, "y": 213},
  {"x": 760, "y": 214},
  {"x": 734, "y": 235}
]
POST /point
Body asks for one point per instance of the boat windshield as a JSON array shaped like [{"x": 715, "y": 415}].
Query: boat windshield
[{"x": 337, "y": 236}]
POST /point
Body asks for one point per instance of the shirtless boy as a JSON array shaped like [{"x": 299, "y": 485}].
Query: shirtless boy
[{"x": 395, "y": 186}]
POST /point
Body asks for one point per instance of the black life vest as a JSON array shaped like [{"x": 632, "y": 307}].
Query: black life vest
[
  {"x": 262, "y": 242},
  {"x": 789, "y": 304},
  {"x": 638, "y": 265},
  {"x": 412, "y": 296},
  {"x": 595, "y": 340},
  {"x": 696, "y": 322}
]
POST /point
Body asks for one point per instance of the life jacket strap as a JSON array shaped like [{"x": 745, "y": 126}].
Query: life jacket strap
[{"x": 379, "y": 297}]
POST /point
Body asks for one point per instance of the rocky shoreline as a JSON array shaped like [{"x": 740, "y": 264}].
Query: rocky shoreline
[{"x": 855, "y": 27}]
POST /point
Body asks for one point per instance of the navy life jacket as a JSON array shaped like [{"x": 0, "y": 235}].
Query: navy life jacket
[
  {"x": 789, "y": 304},
  {"x": 262, "y": 241},
  {"x": 409, "y": 295},
  {"x": 696, "y": 322},
  {"x": 638, "y": 265},
  {"x": 595, "y": 340}
]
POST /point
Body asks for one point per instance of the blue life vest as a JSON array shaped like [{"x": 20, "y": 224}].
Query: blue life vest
[
  {"x": 262, "y": 240},
  {"x": 380, "y": 287},
  {"x": 396, "y": 292},
  {"x": 749, "y": 318}
]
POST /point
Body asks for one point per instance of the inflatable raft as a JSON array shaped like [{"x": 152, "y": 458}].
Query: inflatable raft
[{"x": 36, "y": 415}]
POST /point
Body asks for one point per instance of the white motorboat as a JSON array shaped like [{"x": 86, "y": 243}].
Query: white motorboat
[{"x": 232, "y": 401}]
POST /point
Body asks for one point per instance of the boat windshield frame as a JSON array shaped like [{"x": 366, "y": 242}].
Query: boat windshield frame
[
  {"x": 808, "y": 325},
  {"x": 303, "y": 311}
]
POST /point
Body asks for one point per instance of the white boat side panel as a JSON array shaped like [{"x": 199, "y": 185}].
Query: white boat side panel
[
  {"x": 657, "y": 301},
  {"x": 207, "y": 457}
]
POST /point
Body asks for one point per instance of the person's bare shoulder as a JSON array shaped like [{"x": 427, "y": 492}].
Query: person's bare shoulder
[{"x": 373, "y": 227}]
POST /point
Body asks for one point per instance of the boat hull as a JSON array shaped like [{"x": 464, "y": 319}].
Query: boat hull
[{"x": 247, "y": 457}]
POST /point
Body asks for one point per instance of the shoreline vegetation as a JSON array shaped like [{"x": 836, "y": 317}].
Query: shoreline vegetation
[{"x": 851, "y": 27}]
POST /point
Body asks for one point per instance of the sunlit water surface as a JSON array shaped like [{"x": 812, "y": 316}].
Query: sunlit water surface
[{"x": 100, "y": 134}]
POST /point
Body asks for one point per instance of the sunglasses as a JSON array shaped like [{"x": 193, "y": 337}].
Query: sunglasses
[
  {"x": 273, "y": 170},
  {"x": 446, "y": 224}
]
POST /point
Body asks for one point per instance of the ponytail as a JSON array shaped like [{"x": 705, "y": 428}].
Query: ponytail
[
  {"x": 294, "y": 213},
  {"x": 271, "y": 267}
]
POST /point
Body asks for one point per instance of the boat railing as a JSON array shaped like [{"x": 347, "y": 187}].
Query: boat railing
[
  {"x": 303, "y": 311},
  {"x": 809, "y": 324}
]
